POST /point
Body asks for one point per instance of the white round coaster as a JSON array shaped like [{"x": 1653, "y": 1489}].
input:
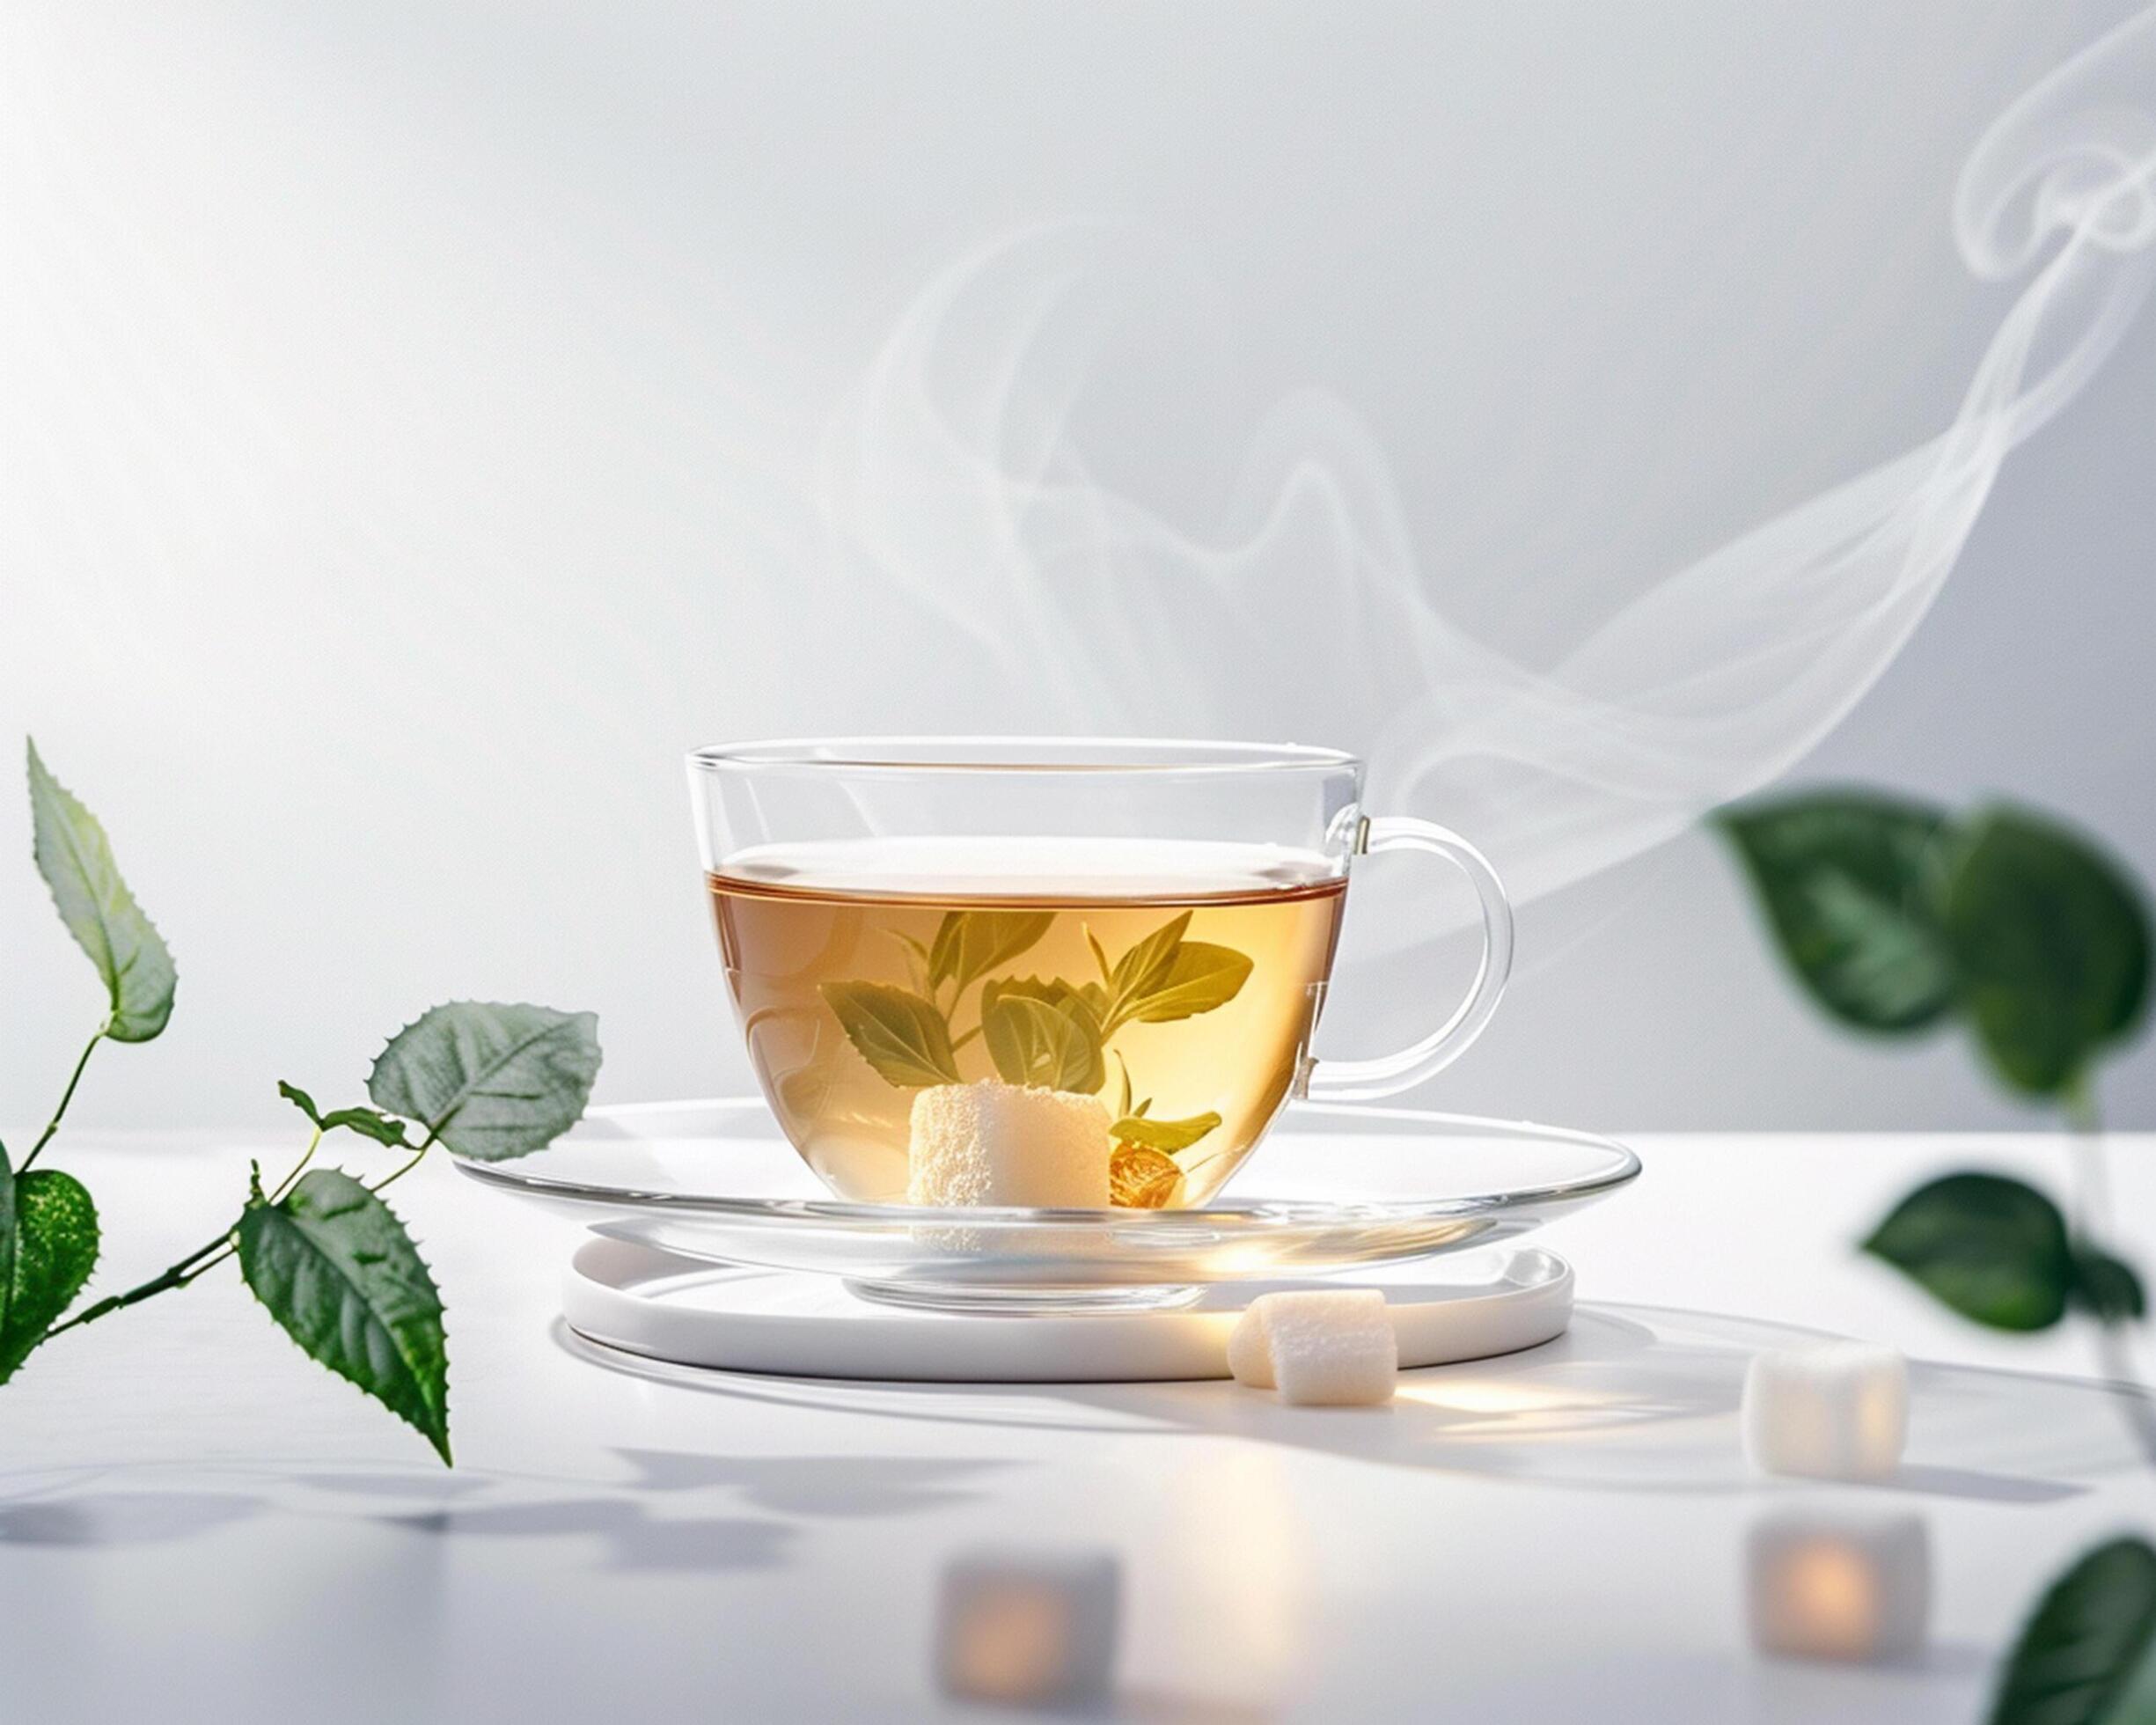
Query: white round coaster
[{"x": 648, "y": 1302}]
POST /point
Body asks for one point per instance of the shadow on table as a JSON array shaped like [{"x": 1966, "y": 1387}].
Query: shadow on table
[
  {"x": 644, "y": 1522},
  {"x": 1630, "y": 1399}
]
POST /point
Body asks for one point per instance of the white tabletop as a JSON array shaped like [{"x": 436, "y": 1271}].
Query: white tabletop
[{"x": 195, "y": 1522}]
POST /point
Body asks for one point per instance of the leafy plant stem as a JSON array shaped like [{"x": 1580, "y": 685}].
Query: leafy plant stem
[
  {"x": 205, "y": 1258},
  {"x": 66, "y": 1097},
  {"x": 299, "y": 1168},
  {"x": 404, "y": 1168}
]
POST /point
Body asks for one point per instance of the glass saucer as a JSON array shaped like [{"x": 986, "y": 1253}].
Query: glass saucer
[{"x": 1332, "y": 1188}]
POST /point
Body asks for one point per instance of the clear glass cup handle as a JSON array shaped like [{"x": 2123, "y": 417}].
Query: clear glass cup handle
[{"x": 1366, "y": 1081}]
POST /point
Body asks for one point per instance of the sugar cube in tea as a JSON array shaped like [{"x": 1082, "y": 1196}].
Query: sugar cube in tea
[{"x": 1005, "y": 1144}]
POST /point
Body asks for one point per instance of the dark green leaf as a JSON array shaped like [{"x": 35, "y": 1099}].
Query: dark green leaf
[
  {"x": 1849, "y": 882},
  {"x": 56, "y": 1232},
  {"x": 1994, "y": 1249},
  {"x": 367, "y": 1124},
  {"x": 10, "y": 1234},
  {"x": 491, "y": 1081},
  {"x": 77, "y": 860},
  {"x": 2105, "y": 1287},
  {"x": 364, "y": 1121},
  {"x": 903, "y": 1035},
  {"x": 338, "y": 1272},
  {"x": 2050, "y": 940},
  {"x": 2080, "y": 1649},
  {"x": 969, "y": 943},
  {"x": 1201, "y": 977},
  {"x": 1033, "y": 1041},
  {"x": 1166, "y": 1136}
]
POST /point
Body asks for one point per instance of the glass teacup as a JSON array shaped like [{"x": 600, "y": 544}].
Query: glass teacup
[{"x": 1053, "y": 973}]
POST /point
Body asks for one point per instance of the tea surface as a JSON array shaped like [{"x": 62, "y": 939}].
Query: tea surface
[{"x": 1178, "y": 984}]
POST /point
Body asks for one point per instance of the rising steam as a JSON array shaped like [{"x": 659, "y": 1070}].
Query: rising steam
[{"x": 954, "y": 472}]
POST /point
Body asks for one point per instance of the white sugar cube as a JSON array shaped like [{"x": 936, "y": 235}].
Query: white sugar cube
[
  {"x": 1839, "y": 1587},
  {"x": 1331, "y": 1346},
  {"x": 1005, "y": 1144},
  {"x": 1831, "y": 1411},
  {"x": 1029, "y": 1628}
]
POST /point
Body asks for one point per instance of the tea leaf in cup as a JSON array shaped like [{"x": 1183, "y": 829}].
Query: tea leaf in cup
[
  {"x": 903, "y": 1035},
  {"x": 969, "y": 943},
  {"x": 75, "y": 859},
  {"x": 490, "y": 1080},
  {"x": 1201, "y": 977},
  {"x": 1050, "y": 1044},
  {"x": 341, "y": 1277},
  {"x": 52, "y": 1236},
  {"x": 1166, "y": 1136},
  {"x": 1143, "y": 967},
  {"x": 1141, "y": 1179}
]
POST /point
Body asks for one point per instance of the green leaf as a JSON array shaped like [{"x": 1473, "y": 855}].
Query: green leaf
[
  {"x": 2105, "y": 1287},
  {"x": 2081, "y": 1647},
  {"x": 2051, "y": 942},
  {"x": 1100, "y": 957},
  {"x": 1038, "y": 1042},
  {"x": 969, "y": 943},
  {"x": 341, "y": 1277},
  {"x": 77, "y": 860},
  {"x": 491, "y": 1081},
  {"x": 364, "y": 1121},
  {"x": 1166, "y": 1136},
  {"x": 300, "y": 1100},
  {"x": 55, "y": 1230},
  {"x": 1143, "y": 966},
  {"x": 1049, "y": 990},
  {"x": 903, "y": 1035},
  {"x": 1994, "y": 1249},
  {"x": 368, "y": 1124},
  {"x": 1201, "y": 977},
  {"x": 1849, "y": 882},
  {"x": 10, "y": 1235}
]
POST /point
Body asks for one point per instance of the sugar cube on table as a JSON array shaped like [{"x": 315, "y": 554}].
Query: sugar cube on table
[
  {"x": 1823, "y": 1586},
  {"x": 1007, "y": 1144},
  {"x": 1329, "y": 1346},
  {"x": 1029, "y": 1628},
  {"x": 1828, "y": 1411}
]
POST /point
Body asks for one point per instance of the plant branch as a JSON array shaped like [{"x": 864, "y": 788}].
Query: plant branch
[
  {"x": 404, "y": 1168},
  {"x": 286, "y": 1184},
  {"x": 205, "y": 1258},
  {"x": 66, "y": 1096}
]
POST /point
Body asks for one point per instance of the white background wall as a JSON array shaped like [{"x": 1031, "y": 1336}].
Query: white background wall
[{"x": 417, "y": 431}]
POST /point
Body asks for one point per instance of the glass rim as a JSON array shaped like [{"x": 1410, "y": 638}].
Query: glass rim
[{"x": 1103, "y": 755}]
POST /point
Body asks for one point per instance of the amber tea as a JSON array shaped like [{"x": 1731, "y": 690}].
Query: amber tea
[{"x": 1027, "y": 1021}]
